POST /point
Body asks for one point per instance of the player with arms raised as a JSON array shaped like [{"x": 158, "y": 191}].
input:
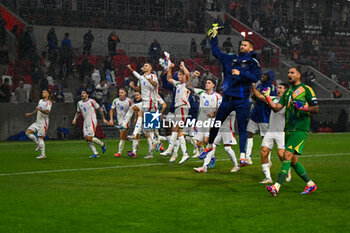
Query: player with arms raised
[
  {"x": 41, "y": 124},
  {"x": 87, "y": 107},
  {"x": 299, "y": 101}
]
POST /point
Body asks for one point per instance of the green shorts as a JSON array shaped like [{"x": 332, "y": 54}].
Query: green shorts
[{"x": 295, "y": 141}]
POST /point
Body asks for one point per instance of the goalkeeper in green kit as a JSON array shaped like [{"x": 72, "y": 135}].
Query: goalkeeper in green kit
[{"x": 300, "y": 101}]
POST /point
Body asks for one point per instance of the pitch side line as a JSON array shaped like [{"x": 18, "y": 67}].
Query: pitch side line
[{"x": 138, "y": 165}]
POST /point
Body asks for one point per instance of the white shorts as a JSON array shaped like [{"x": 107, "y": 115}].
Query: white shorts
[
  {"x": 138, "y": 105},
  {"x": 226, "y": 137},
  {"x": 199, "y": 136},
  {"x": 271, "y": 137},
  {"x": 189, "y": 131},
  {"x": 38, "y": 128},
  {"x": 149, "y": 106},
  {"x": 254, "y": 127},
  {"x": 89, "y": 130},
  {"x": 181, "y": 114}
]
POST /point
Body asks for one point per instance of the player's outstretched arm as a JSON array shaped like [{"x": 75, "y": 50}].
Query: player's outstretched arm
[
  {"x": 111, "y": 113},
  {"x": 275, "y": 107},
  {"x": 47, "y": 112},
  {"x": 169, "y": 75},
  {"x": 137, "y": 75},
  {"x": 102, "y": 115},
  {"x": 75, "y": 118},
  {"x": 257, "y": 94},
  {"x": 185, "y": 70},
  {"x": 30, "y": 113}
]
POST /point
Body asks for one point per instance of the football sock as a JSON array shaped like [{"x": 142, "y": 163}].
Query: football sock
[
  {"x": 310, "y": 183},
  {"x": 277, "y": 186},
  {"x": 242, "y": 156},
  {"x": 232, "y": 154},
  {"x": 121, "y": 146},
  {"x": 210, "y": 155},
  {"x": 284, "y": 171},
  {"x": 200, "y": 149},
  {"x": 97, "y": 141},
  {"x": 127, "y": 117},
  {"x": 135, "y": 145},
  {"x": 42, "y": 146},
  {"x": 172, "y": 141},
  {"x": 249, "y": 147},
  {"x": 138, "y": 126},
  {"x": 32, "y": 137},
  {"x": 150, "y": 145},
  {"x": 300, "y": 170},
  {"x": 92, "y": 147},
  {"x": 176, "y": 147},
  {"x": 182, "y": 142},
  {"x": 266, "y": 170},
  {"x": 209, "y": 146}
]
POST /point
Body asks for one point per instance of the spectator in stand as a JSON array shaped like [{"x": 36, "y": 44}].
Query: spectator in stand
[
  {"x": 66, "y": 43},
  {"x": 5, "y": 92},
  {"x": 336, "y": 93},
  {"x": 344, "y": 15},
  {"x": 295, "y": 54},
  {"x": 4, "y": 60},
  {"x": 96, "y": 76},
  {"x": 316, "y": 46},
  {"x": 51, "y": 37},
  {"x": 227, "y": 45},
  {"x": 101, "y": 92},
  {"x": 227, "y": 26},
  {"x": 113, "y": 39},
  {"x": 27, "y": 44},
  {"x": 2, "y": 30},
  {"x": 87, "y": 42},
  {"x": 59, "y": 94},
  {"x": 35, "y": 94},
  {"x": 44, "y": 83},
  {"x": 154, "y": 52},
  {"x": 256, "y": 24},
  {"x": 36, "y": 76},
  {"x": 63, "y": 72},
  {"x": 331, "y": 55},
  {"x": 307, "y": 46},
  {"x": 20, "y": 93},
  {"x": 193, "y": 47},
  {"x": 205, "y": 46}
]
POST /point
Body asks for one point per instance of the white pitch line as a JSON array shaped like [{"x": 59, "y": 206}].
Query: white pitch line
[{"x": 138, "y": 165}]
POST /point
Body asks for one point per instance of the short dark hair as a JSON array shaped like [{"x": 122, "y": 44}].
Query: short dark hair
[
  {"x": 286, "y": 86},
  {"x": 296, "y": 68},
  {"x": 250, "y": 42},
  {"x": 211, "y": 80},
  {"x": 122, "y": 88},
  {"x": 84, "y": 90}
]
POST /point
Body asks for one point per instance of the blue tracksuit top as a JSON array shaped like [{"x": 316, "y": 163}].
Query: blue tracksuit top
[
  {"x": 193, "y": 111},
  {"x": 250, "y": 71},
  {"x": 261, "y": 111}
]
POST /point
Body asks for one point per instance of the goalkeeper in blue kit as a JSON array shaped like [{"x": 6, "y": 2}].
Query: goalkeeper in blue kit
[{"x": 240, "y": 71}]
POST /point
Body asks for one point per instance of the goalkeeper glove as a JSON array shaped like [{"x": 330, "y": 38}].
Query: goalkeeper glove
[
  {"x": 300, "y": 106},
  {"x": 213, "y": 32},
  {"x": 266, "y": 93}
]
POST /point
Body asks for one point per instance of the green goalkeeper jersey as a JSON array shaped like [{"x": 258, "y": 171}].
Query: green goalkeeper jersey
[{"x": 298, "y": 120}]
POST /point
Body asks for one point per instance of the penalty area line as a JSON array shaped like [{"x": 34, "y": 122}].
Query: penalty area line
[{"x": 138, "y": 165}]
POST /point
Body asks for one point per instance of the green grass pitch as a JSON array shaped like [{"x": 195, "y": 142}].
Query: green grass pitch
[{"x": 139, "y": 195}]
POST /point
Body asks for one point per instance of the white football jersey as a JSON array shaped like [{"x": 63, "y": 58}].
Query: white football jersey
[
  {"x": 88, "y": 109},
  {"x": 208, "y": 103},
  {"x": 41, "y": 118},
  {"x": 277, "y": 119},
  {"x": 181, "y": 95},
  {"x": 121, "y": 107},
  {"x": 149, "y": 93}
]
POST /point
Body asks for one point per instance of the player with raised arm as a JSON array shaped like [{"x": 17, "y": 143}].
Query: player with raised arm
[
  {"x": 226, "y": 136},
  {"x": 121, "y": 106},
  {"x": 41, "y": 124},
  {"x": 181, "y": 111},
  {"x": 87, "y": 107},
  {"x": 149, "y": 92},
  {"x": 240, "y": 71},
  {"x": 209, "y": 102},
  {"x": 299, "y": 101},
  {"x": 259, "y": 116},
  {"x": 275, "y": 133}
]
